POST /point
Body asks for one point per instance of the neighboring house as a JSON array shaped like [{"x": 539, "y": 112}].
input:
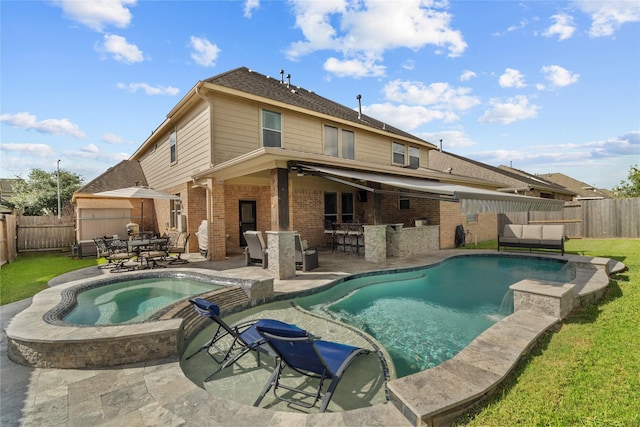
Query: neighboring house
[
  {"x": 510, "y": 180},
  {"x": 245, "y": 151},
  {"x": 6, "y": 193},
  {"x": 582, "y": 190},
  {"x": 97, "y": 216}
]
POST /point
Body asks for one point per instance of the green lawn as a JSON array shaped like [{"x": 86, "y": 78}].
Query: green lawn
[
  {"x": 30, "y": 273},
  {"x": 588, "y": 372}
]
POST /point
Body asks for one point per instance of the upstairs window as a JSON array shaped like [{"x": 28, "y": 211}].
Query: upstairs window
[
  {"x": 398, "y": 153},
  {"x": 339, "y": 142},
  {"x": 271, "y": 129},
  {"x": 348, "y": 145},
  {"x": 173, "y": 154},
  {"x": 414, "y": 157},
  {"x": 331, "y": 141}
]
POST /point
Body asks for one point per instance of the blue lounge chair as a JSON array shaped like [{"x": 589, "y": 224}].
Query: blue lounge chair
[
  {"x": 297, "y": 349},
  {"x": 244, "y": 336}
]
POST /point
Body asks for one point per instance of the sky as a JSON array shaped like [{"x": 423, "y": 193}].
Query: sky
[{"x": 542, "y": 86}]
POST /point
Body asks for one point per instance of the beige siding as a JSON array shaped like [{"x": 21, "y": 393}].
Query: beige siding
[
  {"x": 236, "y": 129},
  {"x": 193, "y": 151}
]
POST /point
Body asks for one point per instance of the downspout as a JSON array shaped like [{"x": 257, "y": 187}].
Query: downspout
[{"x": 209, "y": 187}]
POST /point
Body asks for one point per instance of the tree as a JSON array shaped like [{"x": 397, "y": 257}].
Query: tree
[
  {"x": 38, "y": 195},
  {"x": 630, "y": 188}
]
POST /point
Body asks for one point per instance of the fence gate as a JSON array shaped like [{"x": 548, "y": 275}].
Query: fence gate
[{"x": 41, "y": 233}]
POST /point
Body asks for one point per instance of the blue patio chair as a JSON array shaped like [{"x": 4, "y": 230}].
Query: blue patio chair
[
  {"x": 297, "y": 349},
  {"x": 244, "y": 337}
]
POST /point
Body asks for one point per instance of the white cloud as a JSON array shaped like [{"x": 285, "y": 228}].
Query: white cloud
[
  {"x": 354, "y": 67},
  {"x": 97, "y": 14},
  {"x": 517, "y": 108},
  {"x": 148, "y": 89},
  {"x": 113, "y": 139},
  {"x": 559, "y": 76},
  {"x": 38, "y": 150},
  {"x": 608, "y": 16},
  {"x": 48, "y": 126},
  {"x": 440, "y": 95},
  {"x": 249, "y": 6},
  {"x": 467, "y": 75},
  {"x": 406, "y": 117},
  {"x": 121, "y": 50},
  {"x": 450, "y": 138},
  {"x": 511, "y": 78},
  {"x": 204, "y": 52},
  {"x": 369, "y": 28},
  {"x": 563, "y": 27}
]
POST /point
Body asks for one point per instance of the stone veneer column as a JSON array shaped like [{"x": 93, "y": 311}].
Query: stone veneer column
[
  {"x": 375, "y": 243},
  {"x": 281, "y": 254},
  {"x": 394, "y": 232}
]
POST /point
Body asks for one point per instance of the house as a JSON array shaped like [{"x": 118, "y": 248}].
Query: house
[
  {"x": 246, "y": 151},
  {"x": 107, "y": 217},
  {"x": 510, "y": 180},
  {"x": 582, "y": 190}
]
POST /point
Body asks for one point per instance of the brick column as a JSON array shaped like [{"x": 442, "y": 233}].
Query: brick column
[
  {"x": 217, "y": 229},
  {"x": 281, "y": 254}
]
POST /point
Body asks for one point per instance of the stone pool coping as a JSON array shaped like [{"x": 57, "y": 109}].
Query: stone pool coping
[
  {"x": 428, "y": 397},
  {"x": 38, "y": 338}
]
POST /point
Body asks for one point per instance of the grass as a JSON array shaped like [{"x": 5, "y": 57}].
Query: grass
[
  {"x": 30, "y": 273},
  {"x": 586, "y": 373}
]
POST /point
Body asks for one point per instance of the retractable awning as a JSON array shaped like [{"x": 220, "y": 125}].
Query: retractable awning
[{"x": 472, "y": 200}]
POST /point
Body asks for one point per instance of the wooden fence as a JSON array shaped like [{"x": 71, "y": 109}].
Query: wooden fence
[
  {"x": 41, "y": 233},
  {"x": 7, "y": 238},
  {"x": 595, "y": 219}
]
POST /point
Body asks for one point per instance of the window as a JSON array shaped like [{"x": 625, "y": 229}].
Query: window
[
  {"x": 331, "y": 141},
  {"x": 172, "y": 147},
  {"x": 414, "y": 157},
  {"x": 339, "y": 141},
  {"x": 348, "y": 145},
  {"x": 398, "y": 153},
  {"x": 271, "y": 129},
  {"x": 330, "y": 210},
  {"x": 175, "y": 208},
  {"x": 403, "y": 202},
  {"x": 347, "y": 207}
]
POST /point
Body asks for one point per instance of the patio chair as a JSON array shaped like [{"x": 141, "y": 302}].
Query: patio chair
[
  {"x": 156, "y": 250},
  {"x": 306, "y": 258},
  {"x": 256, "y": 250},
  {"x": 297, "y": 349},
  {"x": 116, "y": 252},
  {"x": 243, "y": 336},
  {"x": 176, "y": 248}
]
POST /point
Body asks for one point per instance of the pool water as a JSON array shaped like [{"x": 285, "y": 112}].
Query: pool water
[
  {"x": 425, "y": 317},
  {"x": 132, "y": 301}
]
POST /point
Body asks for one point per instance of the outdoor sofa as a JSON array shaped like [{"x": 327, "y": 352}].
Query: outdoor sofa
[{"x": 532, "y": 236}]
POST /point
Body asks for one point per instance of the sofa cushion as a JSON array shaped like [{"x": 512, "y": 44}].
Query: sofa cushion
[
  {"x": 553, "y": 232},
  {"x": 531, "y": 232},
  {"x": 513, "y": 231}
]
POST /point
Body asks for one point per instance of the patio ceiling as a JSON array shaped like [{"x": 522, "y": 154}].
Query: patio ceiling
[{"x": 472, "y": 200}]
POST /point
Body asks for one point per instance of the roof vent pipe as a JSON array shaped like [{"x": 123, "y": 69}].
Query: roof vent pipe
[
  {"x": 281, "y": 76},
  {"x": 359, "y": 97},
  {"x": 288, "y": 80},
  {"x": 441, "y": 146}
]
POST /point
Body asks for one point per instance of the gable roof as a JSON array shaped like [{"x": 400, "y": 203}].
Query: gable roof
[
  {"x": 124, "y": 174},
  {"x": 510, "y": 179},
  {"x": 582, "y": 189},
  {"x": 252, "y": 82}
]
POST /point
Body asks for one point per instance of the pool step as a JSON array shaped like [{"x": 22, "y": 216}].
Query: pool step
[{"x": 227, "y": 299}]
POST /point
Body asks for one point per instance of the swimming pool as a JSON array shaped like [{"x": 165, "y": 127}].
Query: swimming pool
[
  {"x": 426, "y": 316},
  {"x": 133, "y": 300}
]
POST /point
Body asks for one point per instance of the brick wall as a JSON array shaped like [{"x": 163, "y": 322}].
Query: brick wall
[
  {"x": 306, "y": 210},
  {"x": 418, "y": 208},
  {"x": 233, "y": 195},
  {"x": 450, "y": 216}
]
